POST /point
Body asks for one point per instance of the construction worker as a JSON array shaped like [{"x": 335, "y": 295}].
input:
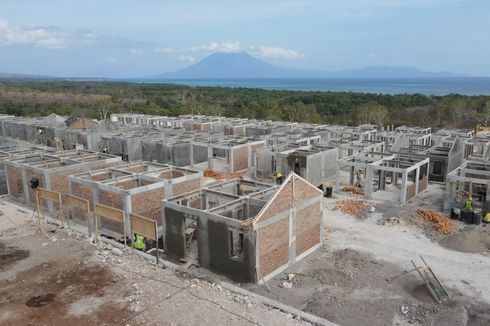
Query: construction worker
[
  {"x": 468, "y": 206},
  {"x": 279, "y": 178},
  {"x": 139, "y": 243}
]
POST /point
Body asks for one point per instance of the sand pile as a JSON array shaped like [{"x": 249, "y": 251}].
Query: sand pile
[
  {"x": 440, "y": 222},
  {"x": 353, "y": 190},
  {"x": 472, "y": 240},
  {"x": 210, "y": 173},
  {"x": 352, "y": 207}
]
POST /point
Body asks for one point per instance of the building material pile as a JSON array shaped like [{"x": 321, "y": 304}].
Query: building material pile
[
  {"x": 210, "y": 173},
  {"x": 353, "y": 190},
  {"x": 352, "y": 207},
  {"x": 440, "y": 222}
]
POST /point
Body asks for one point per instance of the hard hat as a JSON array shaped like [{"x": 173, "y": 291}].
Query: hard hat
[{"x": 278, "y": 174}]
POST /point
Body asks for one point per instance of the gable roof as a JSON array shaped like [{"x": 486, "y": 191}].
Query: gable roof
[{"x": 277, "y": 204}]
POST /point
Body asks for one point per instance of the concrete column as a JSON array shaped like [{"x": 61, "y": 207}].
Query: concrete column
[
  {"x": 337, "y": 178},
  {"x": 417, "y": 175},
  {"x": 368, "y": 185},
  {"x": 191, "y": 154},
  {"x": 127, "y": 209},
  {"x": 351, "y": 175},
  {"x": 210, "y": 156},
  {"x": 249, "y": 156},
  {"x": 403, "y": 192},
  {"x": 231, "y": 168}
]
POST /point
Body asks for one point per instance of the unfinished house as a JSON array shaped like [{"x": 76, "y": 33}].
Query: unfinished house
[
  {"x": 128, "y": 143},
  {"x": 471, "y": 179},
  {"x": 442, "y": 159},
  {"x": 21, "y": 128},
  {"x": 16, "y": 152},
  {"x": 52, "y": 171},
  {"x": 384, "y": 175},
  {"x": 316, "y": 164},
  {"x": 246, "y": 230},
  {"x": 51, "y": 131},
  {"x": 134, "y": 188}
]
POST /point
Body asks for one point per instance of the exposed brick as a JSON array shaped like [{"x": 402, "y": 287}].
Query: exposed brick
[
  {"x": 273, "y": 246},
  {"x": 240, "y": 158},
  {"x": 148, "y": 204},
  {"x": 15, "y": 182},
  {"x": 186, "y": 186},
  {"x": 307, "y": 228}
]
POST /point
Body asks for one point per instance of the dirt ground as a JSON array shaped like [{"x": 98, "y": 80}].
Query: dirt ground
[
  {"x": 62, "y": 278},
  {"x": 358, "y": 276}
]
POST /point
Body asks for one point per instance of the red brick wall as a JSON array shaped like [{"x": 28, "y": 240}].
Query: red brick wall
[
  {"x": 273, "y": 246},
  {"x": 85, "y": 192},
  {"x": 147, "y": 204},
  {"x": 113, "y": 200},
  {"x": 110, "y": 199},
  {"x": 59, "y": 180},
  {"x": 137, "y": 169},
  {"x": 186, "y": 186},
  {"x": 307, "y": 228},
  {"x": 240, "y": 158},
  {"x": 15, "y": 182}
]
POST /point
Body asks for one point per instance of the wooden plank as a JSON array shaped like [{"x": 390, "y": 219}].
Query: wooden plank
[
  {"x": 49, "y": 195},
  {"x": 109, "y": 213},
  {"x": 143, "y": 226},
  {"x": 77, "y": 202}
]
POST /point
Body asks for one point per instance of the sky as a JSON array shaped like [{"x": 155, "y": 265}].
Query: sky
[{"x": 131, "y": 38}]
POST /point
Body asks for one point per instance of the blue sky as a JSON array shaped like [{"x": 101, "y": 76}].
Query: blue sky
[{"x": 125, "y": 38}]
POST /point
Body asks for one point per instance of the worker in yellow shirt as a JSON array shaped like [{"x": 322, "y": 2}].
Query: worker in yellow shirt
[{"x": 139, "y": 243}]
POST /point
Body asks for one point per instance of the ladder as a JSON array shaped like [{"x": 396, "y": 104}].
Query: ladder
[{"x": 431, "y": 281}]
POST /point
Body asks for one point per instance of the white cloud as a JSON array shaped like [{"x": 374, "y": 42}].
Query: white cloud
[
  {"x": 260, "y": 51},
  {"x": 267, "y": 52},
  {"x": 134, "y": 51},
  {"x": 224, "y": 47},
  {"x": 43, "y": 37},
  {"x": 186, "y": 58}
]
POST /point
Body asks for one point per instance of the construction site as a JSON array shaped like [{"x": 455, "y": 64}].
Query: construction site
[{"x": 198, "y": 219}]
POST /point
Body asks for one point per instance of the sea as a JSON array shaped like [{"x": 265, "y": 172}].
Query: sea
[{"x": 426, "y": 86}]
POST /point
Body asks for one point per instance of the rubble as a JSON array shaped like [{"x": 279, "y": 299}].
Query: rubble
[
  {"x": 352, "y": 207},
  {"x": 440, "y": 222},
  {"x": 210, "y": 173},
  {"x": 353, "y": 190}
]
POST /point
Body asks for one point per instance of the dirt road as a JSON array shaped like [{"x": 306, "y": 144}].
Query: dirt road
[{"x": 61, "y": 278}]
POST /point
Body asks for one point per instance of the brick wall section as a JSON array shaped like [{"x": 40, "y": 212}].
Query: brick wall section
[
  {"x": 148, "y": 204},
  {"x": 186, "y": 186},
  {"x": 273, "y": 246},
  {"x": 15, "y": 182},
  {"x": 137, "y": 169},
  {"x": 59, "y": 180},
  {"x": 129, "y": 184},
  {"x": 284, "y": 199},
  {"x": 423, "y": 184},
  {"x": 410, "y": 191},
  {"x": 106, "y": 165},
  {"x": 240, "y": 158},
  {"x": 85, "y": 192},
  {"x": 113, "y": 200},
  {"x": 307, "y": 228}
]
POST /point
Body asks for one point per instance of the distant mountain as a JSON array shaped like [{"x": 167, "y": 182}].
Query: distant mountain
[
  {"x": 7, "y": 75},
  {"x": 232, "y": 66},
  {"x": 245, "y": 66}
]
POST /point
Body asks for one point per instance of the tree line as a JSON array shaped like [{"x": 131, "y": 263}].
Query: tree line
[{"x": 99, "y": 99}]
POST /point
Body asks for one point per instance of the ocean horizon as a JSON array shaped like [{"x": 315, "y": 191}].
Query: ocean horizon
[{"x": 471, "y": 86}]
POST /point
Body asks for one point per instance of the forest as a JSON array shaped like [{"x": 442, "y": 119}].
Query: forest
[{"x": 96, "y": 99}]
